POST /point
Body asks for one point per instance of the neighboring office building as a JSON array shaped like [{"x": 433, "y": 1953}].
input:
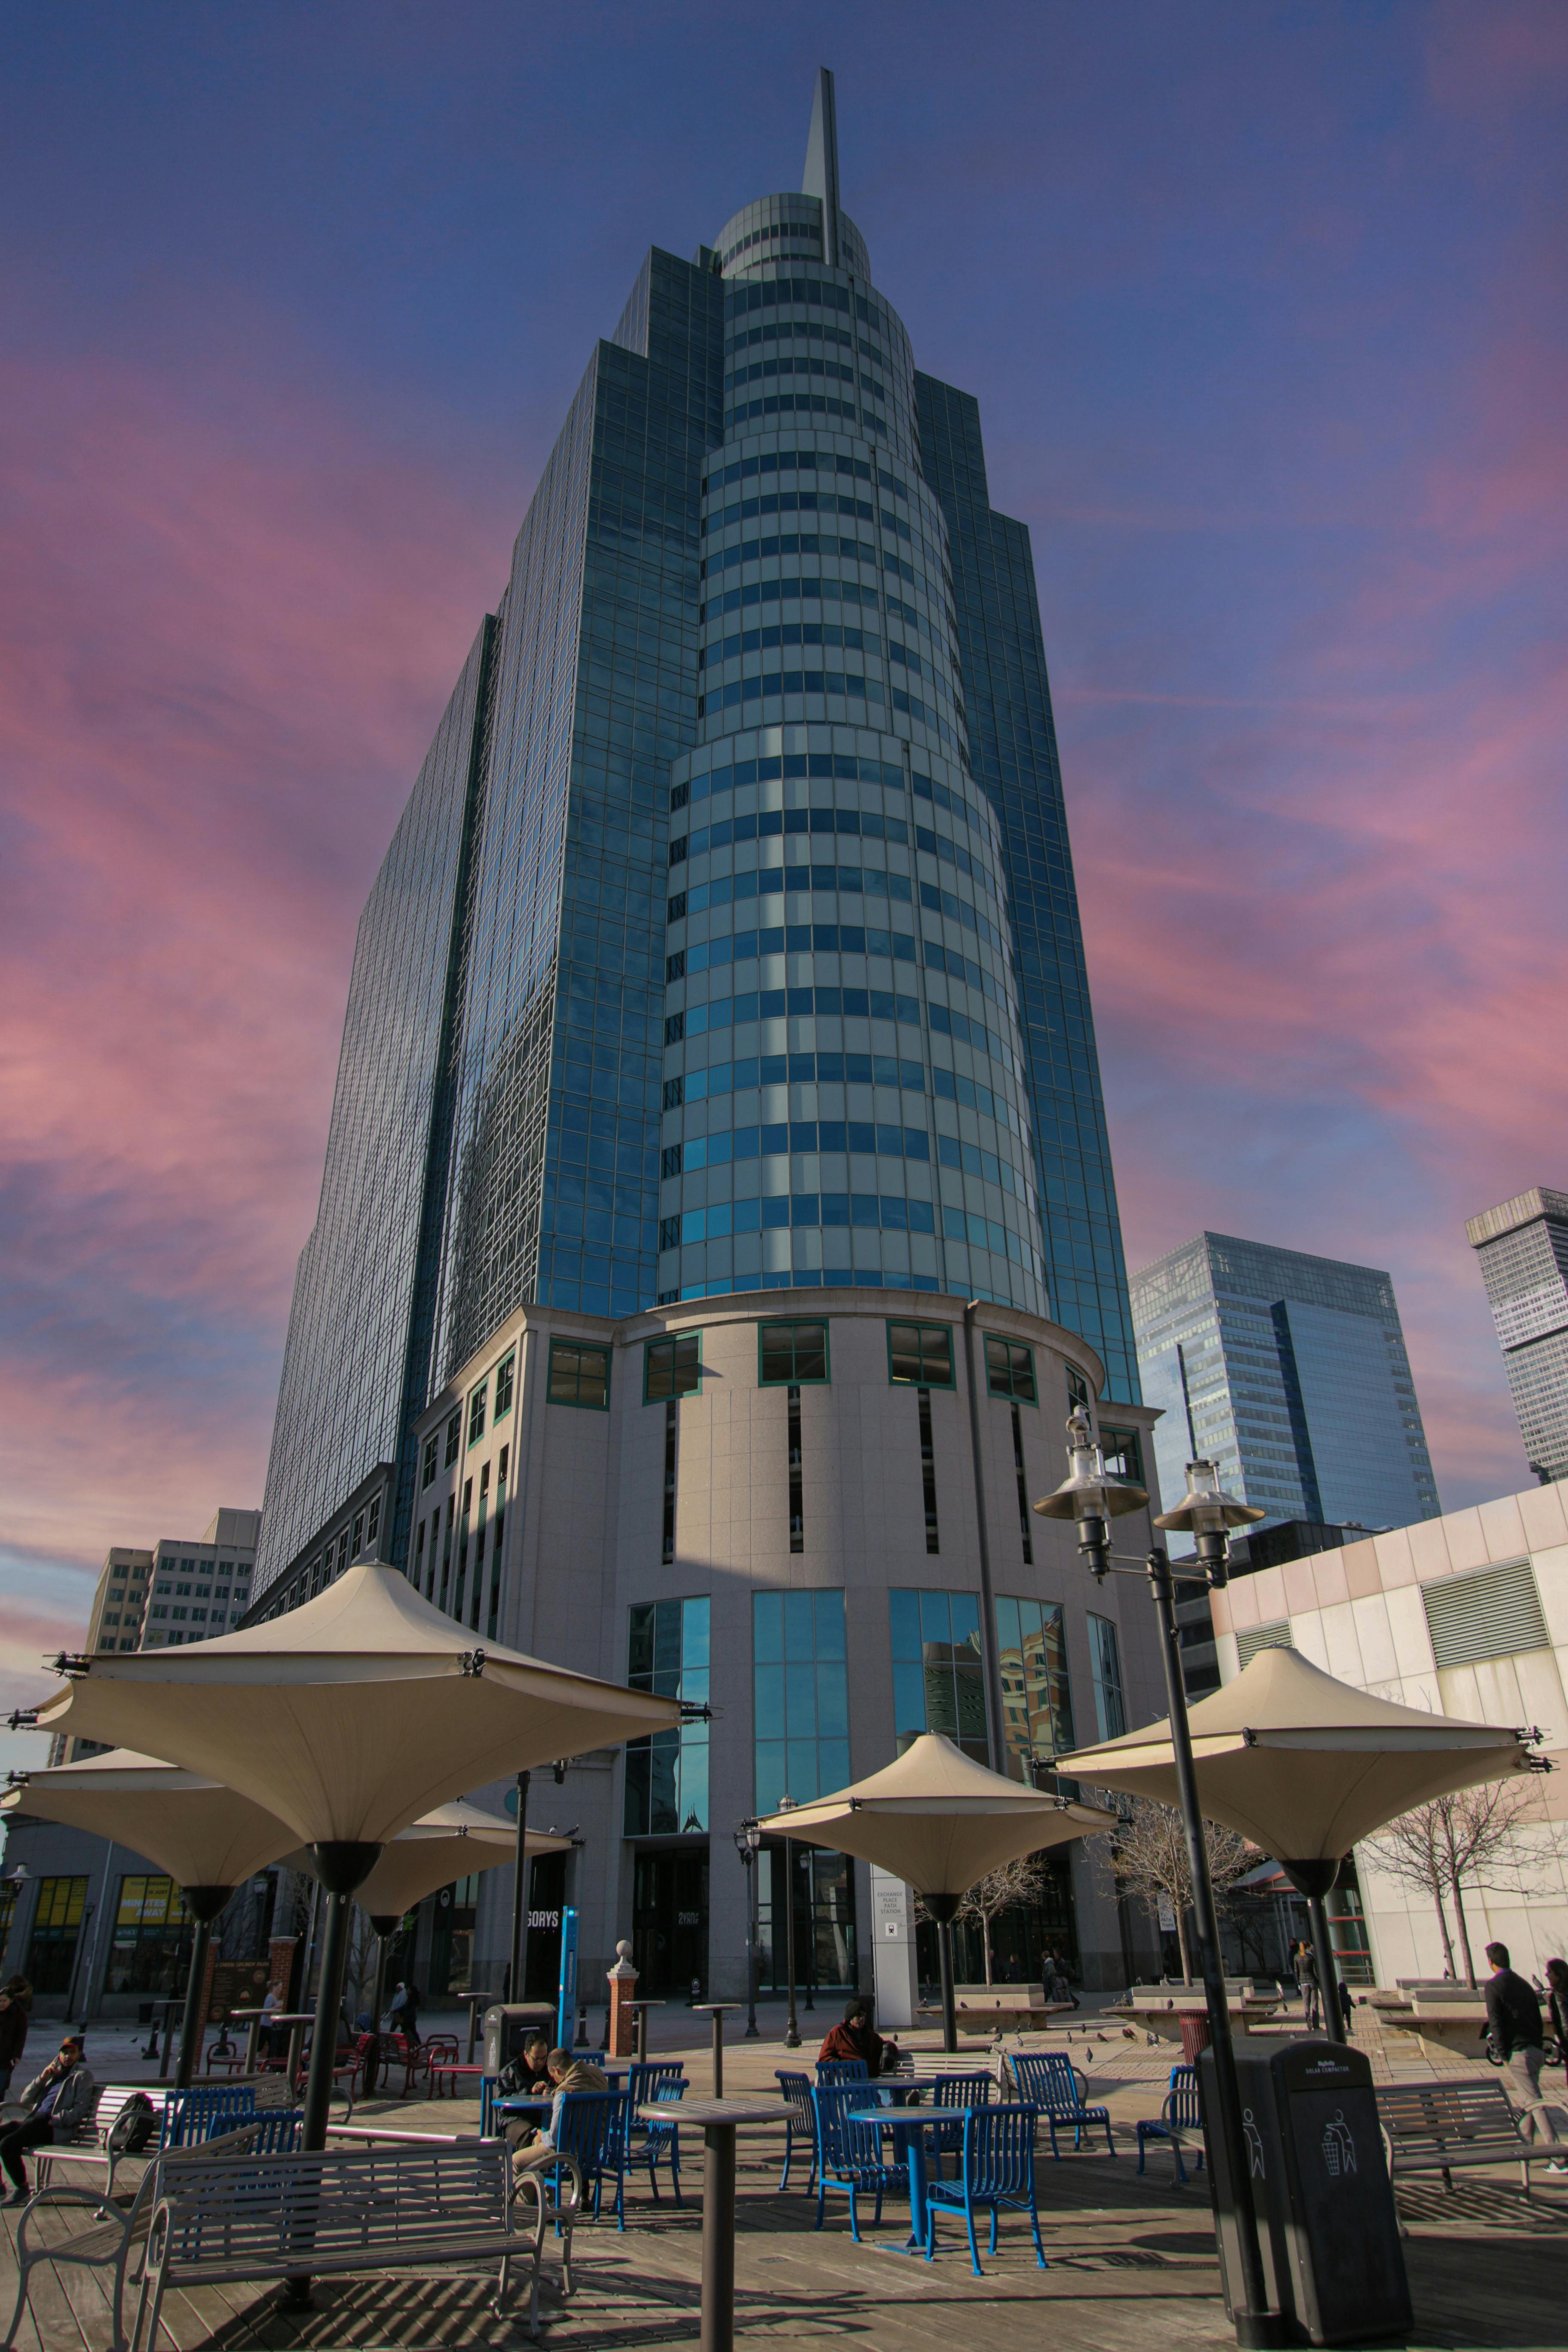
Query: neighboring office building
[
  {"x": 1466, "y": 1615},
  {"x": 769, "y": 1503},
  {"x": 184, "y": 1589},
  {"x": 729, "y": 938},
  {"x": 1523, "y": 1249},
  {"x": 202, "y": 1587},
  {"x": 119, "y": 1600},
  {"x": 1289, "y": 1372}
]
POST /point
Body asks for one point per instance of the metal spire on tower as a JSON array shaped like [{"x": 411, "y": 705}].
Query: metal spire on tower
[{"x": 821, "y": 178}]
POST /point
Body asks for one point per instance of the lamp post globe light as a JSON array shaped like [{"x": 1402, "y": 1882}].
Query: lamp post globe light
[
  {"x": 748, "y": 1843},
  {"x": 1092, "y": 1498}
]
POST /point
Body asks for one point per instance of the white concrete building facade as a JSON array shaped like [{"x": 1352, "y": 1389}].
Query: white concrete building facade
[
  {"x": 774, "y": 1504},
  {"x": 1466, "y": 1615}
]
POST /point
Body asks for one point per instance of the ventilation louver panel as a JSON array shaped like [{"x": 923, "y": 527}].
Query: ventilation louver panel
[
  {"x": 1263, "y": 1637},
  {"x": 1491, "y": 1615}
]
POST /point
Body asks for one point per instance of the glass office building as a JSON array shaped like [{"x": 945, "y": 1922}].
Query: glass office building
[
  {"x": 1522, "y": 1245},
  {"x": 1289, "y": 1372},
  {"x": 700, "y": 958}
]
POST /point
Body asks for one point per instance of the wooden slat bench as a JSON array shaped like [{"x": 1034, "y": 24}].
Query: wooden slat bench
[
  {"x": 374, "y": 2209},
  {"x": 1450, "y": 2127}
]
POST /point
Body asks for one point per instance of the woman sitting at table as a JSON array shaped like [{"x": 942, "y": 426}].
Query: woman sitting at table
[{"x": 859, "y": 2038}]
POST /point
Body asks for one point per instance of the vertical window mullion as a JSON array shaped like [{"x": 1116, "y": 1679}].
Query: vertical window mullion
[
  {"x": 797, "y": 1492},
  {"x": 671, "y": 1425},
  {"x": 928, "y": 1470},
  {"x": 1023, "y": 1484}
]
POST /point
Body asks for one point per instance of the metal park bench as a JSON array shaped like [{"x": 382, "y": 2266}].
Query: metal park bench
[
  {"x": 357, "y": 2210},
  {"x": 121, "y": 2233},
  {"x": 1447, "y": 2127}
]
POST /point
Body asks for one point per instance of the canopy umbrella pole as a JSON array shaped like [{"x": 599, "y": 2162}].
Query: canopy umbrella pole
[
  {"x": 943, "y": 1909},
  {"x": 1255, "y": 2322},
  {"x": 1314, "y": 1880},
  {"x": 341, "y": 1865},
  {"x": 203, "y": 1903}
]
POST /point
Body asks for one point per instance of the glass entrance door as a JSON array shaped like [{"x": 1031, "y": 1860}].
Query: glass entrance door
[{"x": 669, "y": 1921}]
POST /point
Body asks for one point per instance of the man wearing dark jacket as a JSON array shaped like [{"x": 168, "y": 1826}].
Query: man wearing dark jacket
[
  {"x": 58, "y": 2099},
  {"x": 1513, "y": 2023}
]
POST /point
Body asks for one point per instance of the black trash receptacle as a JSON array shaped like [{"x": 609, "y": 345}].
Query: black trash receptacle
[
  {"x": 1326, "y": 2227},
  {"x": 508, "y": 2026}
]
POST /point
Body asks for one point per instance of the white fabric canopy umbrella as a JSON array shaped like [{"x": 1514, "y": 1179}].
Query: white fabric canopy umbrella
[
  {"x": 349, "y": 1718},
  {"x": 207, "y": 1838},
  {"x": 456, "y": 1840},
  {"x": 939, "y": 1821},
  {"x": 354, "y": 1715},
  {"x": 1304, "y": 1765}
]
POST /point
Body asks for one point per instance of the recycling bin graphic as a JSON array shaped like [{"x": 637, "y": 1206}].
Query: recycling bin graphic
[{"x": 1326, "y": 2227}]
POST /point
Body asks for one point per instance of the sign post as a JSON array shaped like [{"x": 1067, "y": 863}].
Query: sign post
[{"x": 566, "y": 2012}]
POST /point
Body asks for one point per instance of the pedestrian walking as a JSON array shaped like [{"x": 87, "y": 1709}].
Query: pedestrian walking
[{"x": 1514, "y": 2024}]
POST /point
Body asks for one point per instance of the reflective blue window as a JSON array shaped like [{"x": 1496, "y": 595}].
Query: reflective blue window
[
  {"x": 1036, "y": 1700},
  {"x": 1105, "y": 1667},
  {"x": 938, "y": 1681},
  {"x": 801, "y": 1695},
  {"x": 667, "y": 1775}
]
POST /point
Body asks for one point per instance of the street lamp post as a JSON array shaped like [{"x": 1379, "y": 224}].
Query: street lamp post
[
  {"x": 1092, "y": 1498},
  {"x": 748, "y": 1841},
  {"x": 792, "y": 2030}
]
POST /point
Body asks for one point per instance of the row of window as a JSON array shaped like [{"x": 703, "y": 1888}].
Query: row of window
[
  {"x": 811, "y": 294},
  {"x": 801, "y": 1693},
  {"x": 861, "y": 1136},
  {"x": 768, "y": 881},
  {"x": 837, "y": 1069},
  {"x": 842, "y": 767},
  {"x": 828, "y": 938},
  {"x": 774, "y": 684},
  {"x": 850, "y": 1003}
]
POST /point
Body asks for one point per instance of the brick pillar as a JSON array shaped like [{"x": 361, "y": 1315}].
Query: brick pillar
[
  {"x": 623, "y": 1981},
  {"x": 280, "y": 1951}
]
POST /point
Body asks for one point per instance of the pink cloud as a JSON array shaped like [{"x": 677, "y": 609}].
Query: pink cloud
[{"x": 229, "y": 624}]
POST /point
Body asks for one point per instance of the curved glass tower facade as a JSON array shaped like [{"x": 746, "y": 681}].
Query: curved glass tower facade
[
  {"x": 729, "y": 940},
  {"x": 846, "y": 1095}
]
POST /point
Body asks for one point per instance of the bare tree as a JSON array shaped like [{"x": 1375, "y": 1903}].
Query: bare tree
[
  {"x": 1008, "y": 1888},
  {"x": 1468, "y": 1839},
  {"x": 1147, "y": 1859}
]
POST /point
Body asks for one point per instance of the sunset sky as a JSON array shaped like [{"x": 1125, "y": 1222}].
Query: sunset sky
[{"x": 1265, "y": 307}]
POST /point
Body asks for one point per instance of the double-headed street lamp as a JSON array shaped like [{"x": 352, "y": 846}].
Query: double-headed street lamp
[
  {"x": 1092, "y": 1498},
  {"x": 748, "y": 1843}
]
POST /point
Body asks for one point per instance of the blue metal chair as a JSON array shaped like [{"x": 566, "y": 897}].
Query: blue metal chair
[
  {"x": 1054, "y": 2085},
  {"x": 841, "y": 2070},
  {"x": 795, "y": 2088},
  {"x": 652, "y": 2081},
  {"x": 956, "y": 2090},
  {"x": 592, "y": 2130},
  {"x": 486, "y": 2097},
  {"x": 850, "y": 2157},
  {"x": 204, "y": 2111},
  {"x": 1179, "y": 2119},
  {"x": 996, "y": 2168}
]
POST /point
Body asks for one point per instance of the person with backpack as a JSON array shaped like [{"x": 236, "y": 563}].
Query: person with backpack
[{"x": 54, "y": 2102}]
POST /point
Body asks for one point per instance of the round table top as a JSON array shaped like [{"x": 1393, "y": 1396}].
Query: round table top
[
  {"x": 715, "y": 2006},
  {"x": 716, "y": 2111}
]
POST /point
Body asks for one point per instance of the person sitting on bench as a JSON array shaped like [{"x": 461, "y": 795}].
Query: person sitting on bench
[
  {"x": 859, "y": 2038},
  {"x": 58, "y": 2099}
]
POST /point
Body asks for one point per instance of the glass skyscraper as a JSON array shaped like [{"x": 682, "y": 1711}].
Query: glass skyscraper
[
  {"x": 1522, "y": 1245},
  {"x": 1288, "y": 1371},
  {"x": 729, "y": 940}
]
